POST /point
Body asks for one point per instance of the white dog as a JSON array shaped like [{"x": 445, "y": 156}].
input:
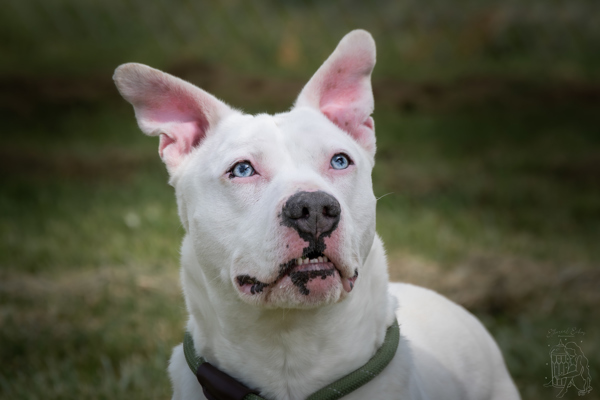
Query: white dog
[{"x": 284, "y": 277}]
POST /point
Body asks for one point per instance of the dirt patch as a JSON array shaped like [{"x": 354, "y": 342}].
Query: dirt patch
[
  {"x": 88, "y": 285},
  {"x": 501, "y": 285}
]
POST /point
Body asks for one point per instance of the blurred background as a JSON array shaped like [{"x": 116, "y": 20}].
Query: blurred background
[{"x": 488, "y": 169}]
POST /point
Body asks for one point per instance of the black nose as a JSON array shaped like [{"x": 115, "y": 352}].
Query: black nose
[{"x": 312, "y": 214}]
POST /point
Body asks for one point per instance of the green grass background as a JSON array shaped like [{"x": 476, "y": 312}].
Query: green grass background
[{"x": 488, "y": 173}]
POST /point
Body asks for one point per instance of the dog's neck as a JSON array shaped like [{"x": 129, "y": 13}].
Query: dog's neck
[{"x": 282, "y": 351}]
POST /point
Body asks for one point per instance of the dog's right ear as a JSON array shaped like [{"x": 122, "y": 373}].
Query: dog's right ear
[
  {"x": 341, "y": 88},
  {"x": 169, "y": 107}
]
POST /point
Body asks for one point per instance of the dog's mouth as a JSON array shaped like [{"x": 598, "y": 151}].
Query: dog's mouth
[{"x": 301, "y": 271}]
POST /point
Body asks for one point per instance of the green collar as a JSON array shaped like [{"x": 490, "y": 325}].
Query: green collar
[{"x": 217, "y": 385}]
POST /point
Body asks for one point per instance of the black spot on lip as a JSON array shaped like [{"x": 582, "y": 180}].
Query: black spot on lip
[
  {"x": 301, "y": 278},
  {"x": 298, "y": 278},
  {"x": 257, "y": 286},
  {"x": 285, "y": 268},
  {"x": 245, "y": 280}
]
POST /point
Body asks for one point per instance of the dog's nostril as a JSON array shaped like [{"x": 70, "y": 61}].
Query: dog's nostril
[
  {"x": 305, "y": 212},
  {"x": 331, "y": 211}
]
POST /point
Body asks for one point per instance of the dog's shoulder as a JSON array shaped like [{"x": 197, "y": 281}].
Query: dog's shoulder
[{"x": 451, "y": 349}]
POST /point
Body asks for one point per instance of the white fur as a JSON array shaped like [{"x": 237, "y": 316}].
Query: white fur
[{"x": 283, "y": 343}]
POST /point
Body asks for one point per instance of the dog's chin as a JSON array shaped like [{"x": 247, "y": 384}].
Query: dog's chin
[
  {"x": 301, "y": 286},
  {"x": 321, "y": 293}
]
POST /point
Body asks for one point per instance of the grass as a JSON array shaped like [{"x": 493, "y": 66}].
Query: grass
[
  {"x": 95, "y": 333},
  {"x": 495, "y": 205},
  {"x": 488, "y": 171}
]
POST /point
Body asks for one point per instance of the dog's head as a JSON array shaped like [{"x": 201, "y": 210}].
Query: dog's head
[{"x": 279, "y": 208}]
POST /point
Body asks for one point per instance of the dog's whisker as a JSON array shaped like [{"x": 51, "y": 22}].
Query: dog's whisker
[
  {"x": 211, "y": 281},
  {"x": 381, "y": 197}
]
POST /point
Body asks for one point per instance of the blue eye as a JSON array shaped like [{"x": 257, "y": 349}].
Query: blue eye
[
  {"x": 242, "y": 169},
  {"x": 340, "y": 161}
]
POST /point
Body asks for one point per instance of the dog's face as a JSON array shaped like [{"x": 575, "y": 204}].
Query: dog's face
[
  {"x": 267, "y": 193},
  {"x": 280, "y": 209}
]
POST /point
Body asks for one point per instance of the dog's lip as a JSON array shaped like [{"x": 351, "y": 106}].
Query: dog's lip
[
  {"x": 318, "y": 266},
  {"x": 293, "y": 265}
]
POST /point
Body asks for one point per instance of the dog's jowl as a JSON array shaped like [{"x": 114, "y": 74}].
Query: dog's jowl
[{"x": 284, "y": 277}]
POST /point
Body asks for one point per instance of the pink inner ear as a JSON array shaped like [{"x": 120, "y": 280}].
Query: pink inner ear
[
  {"x": 182, "y": 125},
  {"x": 346, "y": 100},
  {"x": 182, "y": 139},
  {"x": 342, "y": 85}
]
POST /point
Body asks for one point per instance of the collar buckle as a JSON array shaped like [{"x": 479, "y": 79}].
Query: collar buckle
[{"x": 217, "y": 385}]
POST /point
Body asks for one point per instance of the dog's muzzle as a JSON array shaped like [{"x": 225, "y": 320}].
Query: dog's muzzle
[{"x": 314, "y": 216}]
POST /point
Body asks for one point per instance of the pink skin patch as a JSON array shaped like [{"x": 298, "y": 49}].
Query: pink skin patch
[
  {"x": 167, "y": 106},
  {"x": 311, "y": 279},
  {"x": 346, "y": 100},
  {"x": 347, "y": 276},
  {"x": 315, "y": 279},
  {"x": 293, "y": 243},
  {"x": 183, "y": 126}
]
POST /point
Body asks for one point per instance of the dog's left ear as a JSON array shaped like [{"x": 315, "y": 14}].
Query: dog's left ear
[{"x": 341, "y": 88}]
